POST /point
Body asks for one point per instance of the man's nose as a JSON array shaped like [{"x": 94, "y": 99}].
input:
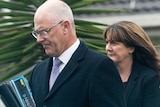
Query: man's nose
[{"x": 40, "y": 39}]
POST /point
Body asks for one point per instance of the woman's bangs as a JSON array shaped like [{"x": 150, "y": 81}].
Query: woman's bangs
[{"x": 111, "y": 34}]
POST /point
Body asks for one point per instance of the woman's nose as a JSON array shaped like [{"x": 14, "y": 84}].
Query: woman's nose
[{"x": 108, "y": 47}]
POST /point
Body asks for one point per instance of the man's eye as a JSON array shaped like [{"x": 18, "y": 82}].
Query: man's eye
[{"x": 42, "y": 32}]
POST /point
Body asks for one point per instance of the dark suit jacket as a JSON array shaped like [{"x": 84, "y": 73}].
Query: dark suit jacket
[
  {"x": 88, "y": 80},
  {"x": 143, "y": 88}
]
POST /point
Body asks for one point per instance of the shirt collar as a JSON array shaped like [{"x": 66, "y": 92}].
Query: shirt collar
[{"x": 67, "y": 54}]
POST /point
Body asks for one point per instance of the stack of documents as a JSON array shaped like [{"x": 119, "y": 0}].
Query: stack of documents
[{"x": 16, "y": 93}]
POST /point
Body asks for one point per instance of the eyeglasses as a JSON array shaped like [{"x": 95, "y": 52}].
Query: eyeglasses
[{"x": 43, "y": 33}]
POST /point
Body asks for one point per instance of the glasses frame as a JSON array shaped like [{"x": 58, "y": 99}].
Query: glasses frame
[{"x": 44, "y": 33}]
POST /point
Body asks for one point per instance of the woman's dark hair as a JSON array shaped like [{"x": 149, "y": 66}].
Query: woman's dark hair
[{"x": 132, "y": 35}]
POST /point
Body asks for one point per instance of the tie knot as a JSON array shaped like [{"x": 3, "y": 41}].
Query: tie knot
[{"x": 57, "y": 62}]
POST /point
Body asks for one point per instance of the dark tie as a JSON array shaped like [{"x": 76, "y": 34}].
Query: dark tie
[{"x": 54, "y": 72}]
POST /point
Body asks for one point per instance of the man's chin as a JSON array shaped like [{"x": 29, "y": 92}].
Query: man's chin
[
  {"x": 47, "y": 52},
  {"x": 51, "y": 54}
]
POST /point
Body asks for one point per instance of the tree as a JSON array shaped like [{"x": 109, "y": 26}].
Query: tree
[{"x": 19, "y": 50}]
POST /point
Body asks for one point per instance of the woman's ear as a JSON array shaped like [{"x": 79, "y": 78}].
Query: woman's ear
[{"x": 131, "y": 50}]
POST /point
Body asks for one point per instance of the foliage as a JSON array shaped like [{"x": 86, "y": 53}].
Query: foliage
[{"x": 19, "y": 51}]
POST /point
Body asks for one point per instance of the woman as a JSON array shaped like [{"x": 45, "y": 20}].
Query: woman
[{"x": 138, "y": 63}]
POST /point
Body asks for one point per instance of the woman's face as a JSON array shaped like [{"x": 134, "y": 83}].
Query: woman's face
[{"x": 118, "y": 52}]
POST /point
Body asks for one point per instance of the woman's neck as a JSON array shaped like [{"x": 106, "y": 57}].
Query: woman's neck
[{"x": 125, "y": 68}]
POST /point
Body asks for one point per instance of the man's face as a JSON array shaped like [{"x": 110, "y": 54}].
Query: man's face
[{"x": 50, "y": 36}]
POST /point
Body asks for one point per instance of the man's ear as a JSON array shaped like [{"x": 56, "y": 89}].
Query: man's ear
[{"x": 66, "y": 26}]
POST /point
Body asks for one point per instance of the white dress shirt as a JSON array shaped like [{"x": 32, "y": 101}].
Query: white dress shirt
[{"x": 67, "y": 54}]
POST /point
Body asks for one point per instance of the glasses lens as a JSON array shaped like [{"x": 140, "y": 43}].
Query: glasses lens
[
  {"x": 43, "y": 33},
  {"x": 35, "y": 34}
]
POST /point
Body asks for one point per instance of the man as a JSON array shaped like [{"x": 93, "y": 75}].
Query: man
[{"x": 86, "y": 78}]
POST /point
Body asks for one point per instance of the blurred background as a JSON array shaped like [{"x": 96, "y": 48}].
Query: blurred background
[
  {"x": 146, "y": 13},
  {"x": 19, "y": 51}
]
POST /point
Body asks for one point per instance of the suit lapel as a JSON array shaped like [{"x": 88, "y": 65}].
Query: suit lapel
[
  {"x": 132, "y": 80},
  {"x": 69, "y": 68},
  {"x": 46, "y": 74}
]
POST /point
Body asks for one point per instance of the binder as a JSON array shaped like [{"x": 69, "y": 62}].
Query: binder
[
  {"x": 8, "y": 97},
  {"x": 16, "y": 93},
  {"x": 2, "y": 103}
]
